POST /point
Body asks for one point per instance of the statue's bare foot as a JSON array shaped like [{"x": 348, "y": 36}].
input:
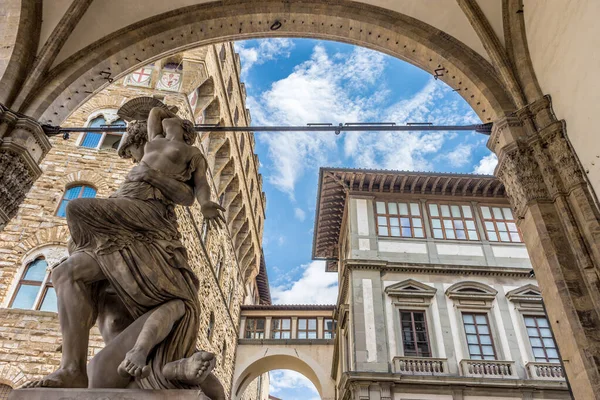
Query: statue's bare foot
[
  {"x": 61, "y": 378},
  {"x": 192, "y": 370},
  {"x": 134, "y": 364}
]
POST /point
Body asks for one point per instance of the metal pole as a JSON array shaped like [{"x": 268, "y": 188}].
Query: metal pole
[{"x": 484, "y": 129}]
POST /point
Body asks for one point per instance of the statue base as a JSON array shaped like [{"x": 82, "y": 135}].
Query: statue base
[{"x": 105, "y": 394}]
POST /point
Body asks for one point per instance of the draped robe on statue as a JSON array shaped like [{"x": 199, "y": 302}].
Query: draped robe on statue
[{"x": 134, "y": 238}]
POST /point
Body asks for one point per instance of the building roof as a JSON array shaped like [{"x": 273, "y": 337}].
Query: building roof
[
  {"x": 335, "y": 184},
  {"x": 262, "y": 282},
  {"x": 288, "y": 307}
]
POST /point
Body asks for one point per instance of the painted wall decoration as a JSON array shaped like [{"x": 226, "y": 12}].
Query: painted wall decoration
[
  {"x": 169, "y": 80},
  {"x": 140, "y": 77},
  {"x": 193, "y": 99}
]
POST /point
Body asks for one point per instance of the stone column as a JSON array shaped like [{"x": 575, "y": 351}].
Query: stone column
[
  {"x": 557, "y": 214},
  {"x": 23, "y": 145}
]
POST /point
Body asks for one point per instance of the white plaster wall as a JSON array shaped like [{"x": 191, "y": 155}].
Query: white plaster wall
[
  {"x": 402, "y": 247},
  {"x": 367, "y": 289},
  {"x": 420, "y": 396},
  {"x": 460, "y": 250},
  {"x": 564, "y": 43}
]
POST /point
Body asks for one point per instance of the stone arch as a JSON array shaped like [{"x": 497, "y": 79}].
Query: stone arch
[
  {"x": 12, "y": 376},
  {"x": 212, "y": 112},
  {"x": 206, "y": 93},
  {"x": 398, "y": 35},
  {"x": 295, "y": 359},
  {"x": 56, "y": 235},
  {"x": 86, "y": 177}
]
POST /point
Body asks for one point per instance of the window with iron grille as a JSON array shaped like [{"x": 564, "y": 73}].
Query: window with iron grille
[
  {"x": 399, "y": 219},
  {"x": 74, "y": 192},
  {"x": 540, "y": 338},
  {"x": 281, "y": 328},
  {"x": 255, "y": 328},
  {"x": 328, "y": 328},
  {"x": 415, "y": 339},
  {"x": 307, "y": 328},
  {"x": 500, "y": 224},
  {"x": 35, "y": 290},
  {"x": 479, "y": 337}
]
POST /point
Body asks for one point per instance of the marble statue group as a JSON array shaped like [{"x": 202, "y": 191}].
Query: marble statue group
[{"x": 128, "y": 270}]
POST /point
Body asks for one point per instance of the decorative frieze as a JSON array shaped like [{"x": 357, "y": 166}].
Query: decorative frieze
[{"x": 23, "y": 145}]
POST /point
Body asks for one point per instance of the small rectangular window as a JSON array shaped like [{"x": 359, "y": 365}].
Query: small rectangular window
[
  {"x": 399, "y": 219},
  {"x": 540, "y": 338},
  {"x": 452, "y": 221},
  {"x": 479, "y": 336},
  {"x": 307, "y": 328},
  {"x": 500, "y": 225},
  {"x": 281, "y": 328},
  {"x": 329, "y": 328},
  {"x": 415, "y": 339},
  {"x": 255, "y": 328}
]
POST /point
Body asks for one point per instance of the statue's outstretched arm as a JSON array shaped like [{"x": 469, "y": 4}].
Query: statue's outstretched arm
[
  {"x": 212, "y": 211},
  {"x": 157, "y": 114}
]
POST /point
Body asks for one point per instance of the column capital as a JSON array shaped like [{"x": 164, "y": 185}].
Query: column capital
[{"x": 23, "y": 145}]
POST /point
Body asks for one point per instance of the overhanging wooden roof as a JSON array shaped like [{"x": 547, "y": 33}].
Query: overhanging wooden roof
[{"x": 336, "y": 183}]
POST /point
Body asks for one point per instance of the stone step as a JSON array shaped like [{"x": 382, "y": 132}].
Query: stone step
[{"x": 105, "y": 394}]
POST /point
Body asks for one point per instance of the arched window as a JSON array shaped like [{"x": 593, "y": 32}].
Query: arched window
[
  {"x": 102, "y": 140},
  {"x": 247, "y": 166},
  {"x": 211, "y": 326},
  {"x": 5, "y": 392},
  {"x": 74, "y": 192},
  {"x": 251, "y": 187},
  {"x": 230, "y": 89},
  {"x": 242, "y": 144},
  {"x": 34, "y": 290},
  {"x": 236, "y": 116}
]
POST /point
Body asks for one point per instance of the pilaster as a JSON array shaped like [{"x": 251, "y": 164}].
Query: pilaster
[
  {"x": 23, "y": 145},
  {"x": 559, "y": 219}
]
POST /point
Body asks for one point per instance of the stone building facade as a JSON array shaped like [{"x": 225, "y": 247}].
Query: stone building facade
[
  {"x": 437, "y": 295},
  {"x": 205, "y": 86}
]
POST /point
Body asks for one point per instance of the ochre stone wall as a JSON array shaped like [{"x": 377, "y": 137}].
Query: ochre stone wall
[{"x": 30, "y": 340}]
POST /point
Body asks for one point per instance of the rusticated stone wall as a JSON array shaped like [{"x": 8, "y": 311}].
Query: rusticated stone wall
[{"x": 30, "y": 340}]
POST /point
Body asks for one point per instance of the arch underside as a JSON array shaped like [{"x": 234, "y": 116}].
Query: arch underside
[
  {"x": 274, "y": 362},
  {"x": 79, "y": 77}
]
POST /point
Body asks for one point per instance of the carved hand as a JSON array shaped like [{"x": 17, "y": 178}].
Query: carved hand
[{"x": 213, "y": 213}]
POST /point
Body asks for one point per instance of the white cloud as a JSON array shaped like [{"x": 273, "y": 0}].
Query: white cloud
[
  {"x": 299, "y": 214},
  {"x": 486, "y": 165},
  {"x": 314, "y": 287},
  {"x": 284, "y": 380},
  {"x": 460, "y": 156},
  {"x": 267, "y": 49}
]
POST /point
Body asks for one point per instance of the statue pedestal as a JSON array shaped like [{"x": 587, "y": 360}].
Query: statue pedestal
[{"x": 104, "y": 394}]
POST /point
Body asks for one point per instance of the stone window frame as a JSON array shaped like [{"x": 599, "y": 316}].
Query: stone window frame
[
  {"x": 412, "y": 295},
  {"x": 307, "y": 330},
  {"x": 472, "y": 297},
  {"x": 71, "y": 185},
  {"x": 53, "y": 255},
  {"x": 527, "y": 304},
  {"x": 281, "y": 330},
  {"x": 452, "y": 218},
  {"x": 330, "y": 331},
  {"x": 399, "y": 216},
  {"x": 254, "y": 330},
  {"x": 494, "y": 222},
  {"x": 110, "y": 117}
]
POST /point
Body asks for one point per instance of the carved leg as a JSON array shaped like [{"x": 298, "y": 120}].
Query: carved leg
[
  {"x": 72, "y": 280},
  {"x": 155, "y": 330}
]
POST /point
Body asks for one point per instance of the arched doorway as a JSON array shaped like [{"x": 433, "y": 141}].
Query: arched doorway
[{"x": 283, "y": 359}]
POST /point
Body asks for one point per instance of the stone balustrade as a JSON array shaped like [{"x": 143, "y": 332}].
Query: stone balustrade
[
  {"x": 488, "y": 369},
  {"x": 420, "y": 366},
  {"x": 546, "y": 371}
]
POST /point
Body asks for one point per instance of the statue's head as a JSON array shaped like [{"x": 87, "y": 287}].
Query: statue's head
[{"x": 133, "y": 141}]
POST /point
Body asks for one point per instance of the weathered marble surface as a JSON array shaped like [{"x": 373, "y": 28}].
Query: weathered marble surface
[{"x": 105, "y": 394}]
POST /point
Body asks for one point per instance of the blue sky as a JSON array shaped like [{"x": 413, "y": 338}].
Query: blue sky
[{"x": 299, "y": 81}]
